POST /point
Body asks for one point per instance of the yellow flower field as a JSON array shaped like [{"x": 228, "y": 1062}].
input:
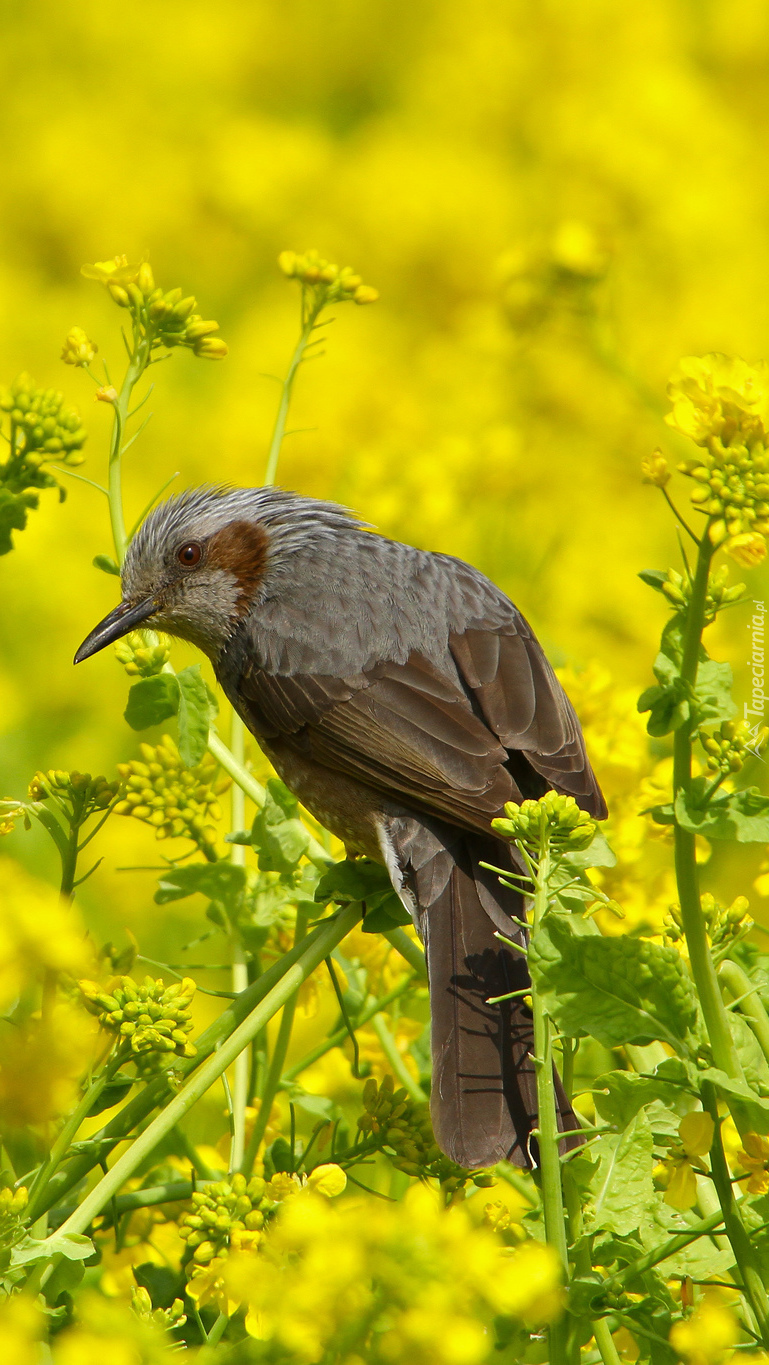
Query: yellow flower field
[{"x": 552, "y": 220}]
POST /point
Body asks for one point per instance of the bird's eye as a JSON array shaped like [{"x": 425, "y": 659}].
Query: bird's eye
[{"x": 190, "y": 554}]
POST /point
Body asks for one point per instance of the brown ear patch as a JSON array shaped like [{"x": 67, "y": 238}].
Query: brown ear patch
[{"x": 241, "y": 549}]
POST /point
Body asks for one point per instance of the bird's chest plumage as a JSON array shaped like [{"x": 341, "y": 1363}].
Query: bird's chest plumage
[{"x": 350, "y": 810}]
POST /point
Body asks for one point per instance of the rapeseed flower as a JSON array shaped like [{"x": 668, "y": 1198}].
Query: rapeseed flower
[
  {"x": 695, "y": 1133},
  {"x": 722, "y": 404}
]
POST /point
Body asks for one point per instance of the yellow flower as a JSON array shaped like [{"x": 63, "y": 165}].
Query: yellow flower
[
  {"x": 707, "y": 1335},
  {"x": 696, "y": 1134},
  {"x": 655, "y": 469},
  {"x": 78, "y": 350},
  {"x": 42, "y": 1062},
  {"x": 329, "y": 1179},
  {"x": 108, "y": 1330},
  {"x": 423, "y": 1281},
  {"x": 754, "y": 1157},
  {"x": 719, "y": 395},
  {"x": 749, "y": 549},
  {"x": 38, "y": 932},
  {"x": 21, "y": 1327},
  {"x": 115, "y": 271}
]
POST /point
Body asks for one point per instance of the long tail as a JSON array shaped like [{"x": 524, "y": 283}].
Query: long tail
[{"x": 484, "y": 1098}]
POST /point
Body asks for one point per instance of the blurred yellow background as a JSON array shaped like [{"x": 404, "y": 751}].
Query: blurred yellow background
[{"x": 555, "y": 201}]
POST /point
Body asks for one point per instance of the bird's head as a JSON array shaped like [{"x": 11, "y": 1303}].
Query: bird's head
[{"x": 201, "y": 561}]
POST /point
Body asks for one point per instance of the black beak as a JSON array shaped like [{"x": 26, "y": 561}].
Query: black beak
[{"x": 126, "y": 616}]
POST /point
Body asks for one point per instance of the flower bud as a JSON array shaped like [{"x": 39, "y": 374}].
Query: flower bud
[
  {"x": 78, "y": 350},
  {"x": 655, "y": 469},
  {"x": 146, "y": 280},
  {"x": 210, "y": 348},
  {"x": 287, "y": 263},
  {"x": 193, "y": 330},
  {"x": 119, "y": 294}
]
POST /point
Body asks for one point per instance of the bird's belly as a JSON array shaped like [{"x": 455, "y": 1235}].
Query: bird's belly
[{"x": 350, "y": 810}]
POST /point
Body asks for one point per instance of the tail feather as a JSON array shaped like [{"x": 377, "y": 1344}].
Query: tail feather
[{"x": 484, "y": 1098}]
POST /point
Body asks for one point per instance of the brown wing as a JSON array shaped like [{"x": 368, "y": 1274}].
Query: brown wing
[{"x": 456, "y": 746}]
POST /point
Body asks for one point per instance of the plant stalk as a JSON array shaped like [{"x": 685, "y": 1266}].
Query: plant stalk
[
  {"x": 239, "y": 966},
  {"x": 400, "y": 1070},
  {"x": 308, "y": 959},
  {"x": 279, "y": 430},
  {"x": 336, "y": 1039},
  {"x": 157, "y": 1091},
  {"x": 277, "y": 1062},
  {"x": 687, "y": 876},
  {"x": 136, "y": 367},
  {"x": 549, "y": 1157},
  {"x": 739, "y": 984},
  {"x": 316, "y": 853},
  {"x": 744, "y": 1252}
]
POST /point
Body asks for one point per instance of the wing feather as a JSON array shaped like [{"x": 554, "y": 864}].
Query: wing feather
[{"x": 458, "y": 742}]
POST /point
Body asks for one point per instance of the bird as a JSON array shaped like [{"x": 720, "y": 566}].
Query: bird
[{"x": 404, "y": 700}]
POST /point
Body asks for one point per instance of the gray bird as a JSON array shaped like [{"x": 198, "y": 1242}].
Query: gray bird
[{"x": 403, "y": 699}]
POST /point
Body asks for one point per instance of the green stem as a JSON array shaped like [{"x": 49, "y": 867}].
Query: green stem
[
  {"x": 580, "y": 1252},
  {"x": 739, "y": 984},
  {"x": 277, "y": 1062},
  {"x": 316, "y": 853},
  {"x": 217, "y": 1332},
  {"x": 68, "y": 1132},
  {"x": 239, "y": 966},
  {"x": 279, "y": 430},
  {"x": 744, "y": 1252},
  {"x": 157, "y": 1092},
  {"x": 173, "y": 1192},
  {"x": 136, "y": 367},
  {"x": 342, "y": 1034},
  {"x": 605, "y": 1342},
  {"x": 313, "y": 953},
  {"x": 400, "y": 1070},
  {"x": 687, "y": 876},
  {"x": 409, "y": 950},
  {"x": 549, "y": 1157}
]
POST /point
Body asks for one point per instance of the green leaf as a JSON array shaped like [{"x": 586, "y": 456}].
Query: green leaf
[
  {"x": 661, "y": 815},
  {"x": 619, "y": 1095},
  {"x": 700, "y": 1258},
  {"x": 107, "y": 564},
  {"x": 714, "y": 692},
  {"x": 194, "y": 715},
  {"x": 620, "y": 990},
  {"x": 668, "y": 707},
  {"x": 152, "y": 700},
  {"x": 112, "y": 1094},
  {"x": 654, "y": 578},
  {"x": 357, "y": 879},
  {"x": 622, "y": 1185},
  {"x": 597, "y": 854},
  {"x": 13, "y": 515},
  {"x": 364, "y": 880},
  {"x": 390, "y": 913},
  {"x": 740, "y": 1095},
  {"x": 221, "y": 882},
  {"x": 72, "y": 1245},
  {"x": 320, "y": 1106},
  {"x": 742, "y": 815},
  {"x": 748, "y": 1049},
  {"x": 279, "y": 836}
]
